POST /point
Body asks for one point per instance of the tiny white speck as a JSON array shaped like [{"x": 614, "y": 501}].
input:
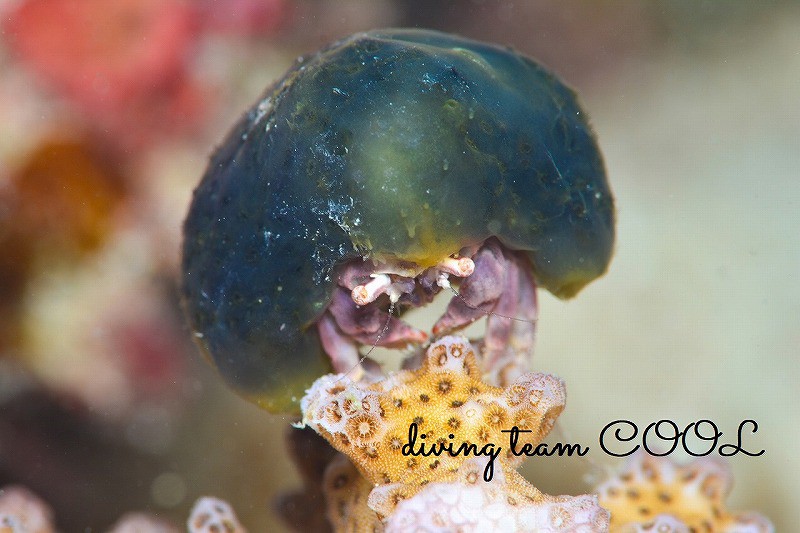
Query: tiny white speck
[
  {"x": 283, "y": 327},
  {"x": 198, "y": 334}
]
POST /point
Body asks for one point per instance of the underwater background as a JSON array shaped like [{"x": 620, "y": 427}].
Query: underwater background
[{"x": 108, "y": 112}]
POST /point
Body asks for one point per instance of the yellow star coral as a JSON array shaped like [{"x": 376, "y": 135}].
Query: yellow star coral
[
  {"x": 448, "y": 404},
  {"x": 655, "y": 494}
]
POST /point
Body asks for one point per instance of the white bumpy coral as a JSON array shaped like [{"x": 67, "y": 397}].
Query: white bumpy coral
[{"x": 470, "y": 504}]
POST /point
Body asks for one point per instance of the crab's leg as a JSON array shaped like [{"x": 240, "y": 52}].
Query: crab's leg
[
  {"x": 510, "y": 330},
  {"x": 369, "y": 292},
  {"x": 461, "y": 267},
  {"x": 478, "y": 293},
  {"x": 342, "y": 350},
  {"x": 365, "y": 324}
]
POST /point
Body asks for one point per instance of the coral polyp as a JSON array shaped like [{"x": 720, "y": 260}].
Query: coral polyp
[
  {"x": 383, "y": 168},
  {"x": 654, "y": 494},
  {"x": 507, "y": 503},
  {"x": 446, "y": 401}
]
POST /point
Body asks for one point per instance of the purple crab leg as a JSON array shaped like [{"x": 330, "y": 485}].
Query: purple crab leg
[
  {"x": 365, "y": 324},
  {"x": 342, "y": 350},
  {"x": 511, "y": 328},
  {"x": 478, "y": 293}
]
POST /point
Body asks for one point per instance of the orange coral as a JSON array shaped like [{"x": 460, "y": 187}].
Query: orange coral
[
  {"x": 450, "y": 406},
  {"x": 654, "y": 494},
  {"x": 63, "y": 199}
]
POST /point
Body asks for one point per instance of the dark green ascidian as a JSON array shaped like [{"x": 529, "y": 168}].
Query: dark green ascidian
[{"x": 405, "y": 144}]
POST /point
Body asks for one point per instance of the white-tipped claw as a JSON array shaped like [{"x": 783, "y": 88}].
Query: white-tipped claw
[
  {"x": 364, "y": 294},
  {"x": 443, "y": 280},
  {"x": 394, "y": 293},
  {"x": 461, "y": 267}
]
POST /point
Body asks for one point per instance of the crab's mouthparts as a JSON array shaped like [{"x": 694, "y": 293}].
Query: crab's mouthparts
[{"x": 494, "y": 282}]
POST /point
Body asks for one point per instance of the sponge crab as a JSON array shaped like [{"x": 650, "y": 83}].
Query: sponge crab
[{"x": 373, "y": 175}]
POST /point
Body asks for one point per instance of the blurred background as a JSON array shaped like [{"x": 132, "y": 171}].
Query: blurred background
[{"x": 109, "y": 110}]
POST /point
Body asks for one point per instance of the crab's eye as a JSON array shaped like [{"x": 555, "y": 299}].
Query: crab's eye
[{"x": 401, "y": 146}]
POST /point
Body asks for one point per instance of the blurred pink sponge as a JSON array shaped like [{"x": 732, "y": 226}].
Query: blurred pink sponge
[
  {"x": 124, "y": 63},
  {"x": 245, "y": 17},
  {"x": 104, "y": 53}
]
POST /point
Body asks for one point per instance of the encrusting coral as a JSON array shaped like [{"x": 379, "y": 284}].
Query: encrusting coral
[
  {"x": 448, "y": 404},
  {"x": 506, "y": 503},
  {"x": 654, "y": 494},
  {"x": 433, "y": 434}
]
